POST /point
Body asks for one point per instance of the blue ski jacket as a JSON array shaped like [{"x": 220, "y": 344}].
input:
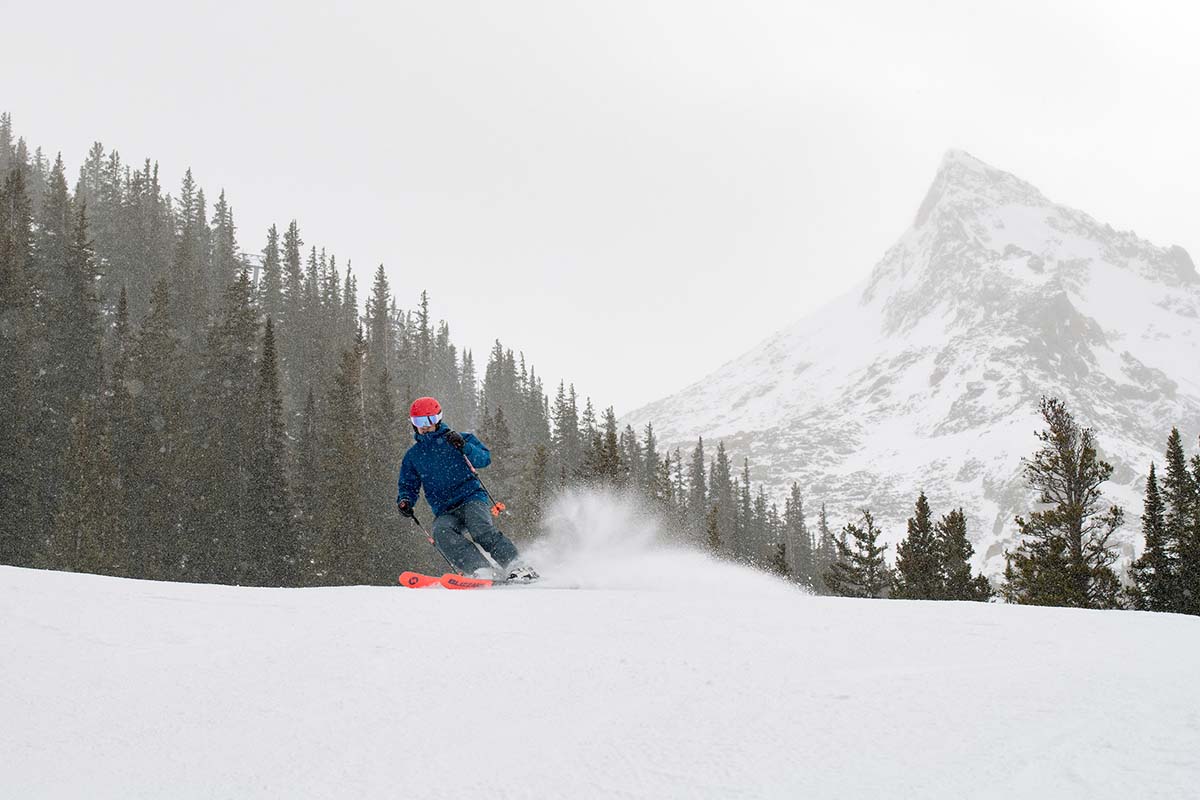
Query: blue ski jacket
[{"x": 440, "y": 467}]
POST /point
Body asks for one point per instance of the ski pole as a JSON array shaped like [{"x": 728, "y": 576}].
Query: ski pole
[
  {"x": 429, "y": 539},
  {"x": 497, "y": 506}
]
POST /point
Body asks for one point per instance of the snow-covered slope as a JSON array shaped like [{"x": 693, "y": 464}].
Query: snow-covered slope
[
  {"x": 664, "y": 675},
  {"x": 928, "y": 374}
]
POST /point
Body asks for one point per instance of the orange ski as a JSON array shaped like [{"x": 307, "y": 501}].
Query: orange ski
[
  {"x": 417, "y": 580},
  {"x": 452, "y": 581}
]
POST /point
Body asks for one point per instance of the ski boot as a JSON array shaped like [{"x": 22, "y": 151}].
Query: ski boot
[{"x": 521, "y": 573}]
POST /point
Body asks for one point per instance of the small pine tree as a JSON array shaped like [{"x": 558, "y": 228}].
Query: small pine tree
[
  {"x": 826, "y": 552},
  {"x": 1065, "y": 558},
  {"x": 800, "y": 548},
  {"x": 712, "y": 529},
  {"x": 919, "y": 567},
  {"x": 1188, "y": 548},
  {"x": 611, "y": 468},
  {"x": 270, "y": 286},
  {"x": 956, "y": 552},
  {"x": 1154, "y": 576},
  {"x": 697, "y": 497},
  {"x": 860, "y": 569}
]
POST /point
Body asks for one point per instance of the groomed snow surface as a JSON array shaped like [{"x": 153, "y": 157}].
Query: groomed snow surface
[{"x": 637, "y": 670}]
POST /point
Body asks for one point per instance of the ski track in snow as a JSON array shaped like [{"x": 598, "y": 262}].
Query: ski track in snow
[{"x": 666, "y": 675}]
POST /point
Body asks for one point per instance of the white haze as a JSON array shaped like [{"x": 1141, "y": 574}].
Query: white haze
[{"x": 633, "y": 193}]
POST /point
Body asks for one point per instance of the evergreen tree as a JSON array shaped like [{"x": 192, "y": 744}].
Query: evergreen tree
[
  {"x": 752, "y": 545},
  {"x": 1153, "y": 573},
  {"x": 7, "y": 154},
  {"x": 386, "y": 547},
  {"x": 272, "y": 545},
  {"x": 768, "y": 545},
  {"x": 826, "y": 553},
  {"x": 53, "y": 234},
  {"x": 664, "y": 492},
  {"x": 145, "y": 236},
  {"x": 270, "y": 290},
  {"x": 342, "y": 546},
  {"x": 919, "y": 563},
  {"x": 697, "y": 502},
  {"x": 720, "y": 482},
  {"x": 956, "y": 552},
  {"x": 19, "y": 523},
  {"x": 222, "y": 540},
  {"x": 612, "y": 471},
  {"x": 860, "y": 569},
  {"x": 565, "y": 438},
  {"x": 348, "y": 321},
  {"x": 1065, "y": 558},
  {"x": 424, "y": 346},
  {"x": 189, "y": 289},
  {"x": 712, "y": 530},
  {"x": 226, "y": 260},
  {"x": 292, "y": 280},
  {"x": 1179, "y": 498},
  {"x": 99, "y": 189},
  {"x": 631, "y": 458},
  {"x": 1189, "y": 555},
  {"x": 587, "y": 422},
  {"x": 799, "y": 541},
  {"x": 470, "y": 394},
  {"x": 381, "y": 347},
  {"x": 652, "y": 484},
  {"x": 159, "y": 443},
  {"x": 781, "y": 560},
  {"x": 683, "y": 512}
]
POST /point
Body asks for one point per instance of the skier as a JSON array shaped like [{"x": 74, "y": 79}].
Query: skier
[{"x": 444, "y": 462}]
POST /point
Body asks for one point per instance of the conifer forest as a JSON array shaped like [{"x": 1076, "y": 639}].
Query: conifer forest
[{"x": 182, "y": 400}]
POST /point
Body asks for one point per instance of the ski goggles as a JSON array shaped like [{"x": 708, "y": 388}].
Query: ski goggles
[{"x": 426, "y": 422}]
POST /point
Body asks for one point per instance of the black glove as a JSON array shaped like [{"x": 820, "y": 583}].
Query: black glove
[
  {"x": 455, "y": 439},
  {"x": 406, "y": 510}
]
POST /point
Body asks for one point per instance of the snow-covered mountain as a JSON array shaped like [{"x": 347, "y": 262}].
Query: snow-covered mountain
[
  {"x": 662, "y": 675},
  {"x": 928, "y": 374}
]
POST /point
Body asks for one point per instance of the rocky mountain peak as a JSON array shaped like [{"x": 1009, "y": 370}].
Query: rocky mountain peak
[
  {"x": 927, "y": 377},
  {"x": 964, "y": 179}
]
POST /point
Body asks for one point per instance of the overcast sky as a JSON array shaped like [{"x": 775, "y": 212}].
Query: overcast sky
[{"x": 632, "y": 193}]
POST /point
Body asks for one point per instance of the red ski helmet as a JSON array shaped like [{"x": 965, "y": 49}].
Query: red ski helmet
[{"x": 425, "y": 407}]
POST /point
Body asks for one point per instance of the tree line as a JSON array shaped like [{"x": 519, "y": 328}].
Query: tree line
[
  {"x": 174, "y": 409},
  {"x": 1065, "y": 556}
]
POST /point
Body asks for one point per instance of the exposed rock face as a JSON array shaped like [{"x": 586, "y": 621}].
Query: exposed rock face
[{"x": 928, "y": 375}]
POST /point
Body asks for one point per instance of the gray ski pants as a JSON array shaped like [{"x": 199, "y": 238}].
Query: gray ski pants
[{"x": 472, "y": 516}]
